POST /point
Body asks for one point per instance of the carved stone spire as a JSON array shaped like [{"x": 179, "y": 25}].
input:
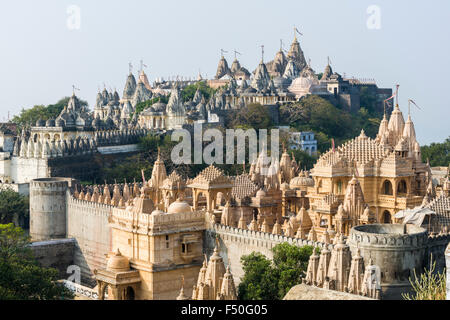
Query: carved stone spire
[
  {"x": 228, "y": 291},
  {"x": 356, "y": 273}
]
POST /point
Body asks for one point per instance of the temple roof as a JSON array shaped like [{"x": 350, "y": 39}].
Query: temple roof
[
  {"x": 211, "y": 177},
  {"x": 296, "y": 53},
  {"x": 175, "y": 104},
  {"x": 261, "y": 80},
  {"x": 235, "y": 66},
  {"x": 291, "y": 70},
  {"x": 173, "y": 181},
  {"x": 327, "y": 73},
  {"x": 222, "y": 68},
  {"x": 243, "y": 187},
  {"x": 130, "y": 87},
  {"x": 141, "y": 94},
  {"x": 361, "y": 149},
  {"x": 441, "y": 205}
]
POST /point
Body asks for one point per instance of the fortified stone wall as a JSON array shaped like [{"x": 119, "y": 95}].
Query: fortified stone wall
[
  {"x": 87, "y": 222},
  {"x": 398, "y": 252},
  {"x": 56, "y": 254},
  {"x": 234, "y": 243},
  {"x": 118, "y": 149},
  {"x": 436, "y": 249}
]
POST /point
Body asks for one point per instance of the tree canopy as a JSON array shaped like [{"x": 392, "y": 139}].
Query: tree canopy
[
  {"x": 271, "y": 280},
  {"x": 437, "y": 153},
  {"x": 314, "y": 113},
  {"x": 188, "y": 92},
  {"x": 254, "y": 115},
  {"x": 13, "y": 206},
  {"x": 21, "y": 278}
]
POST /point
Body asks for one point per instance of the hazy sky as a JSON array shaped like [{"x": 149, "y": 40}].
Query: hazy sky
[{"x": 41, "y": 57}]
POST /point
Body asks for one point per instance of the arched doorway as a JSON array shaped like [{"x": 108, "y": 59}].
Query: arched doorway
[
  {"x": 387, "y": 217},
  {"x": 129, "y": 294}
]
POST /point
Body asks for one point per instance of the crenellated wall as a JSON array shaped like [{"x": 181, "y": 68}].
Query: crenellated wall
[{"x": 235, "y": 243}]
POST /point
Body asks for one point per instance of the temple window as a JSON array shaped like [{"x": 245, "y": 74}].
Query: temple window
[
  {"x": 387, "y": 188},
  {"x": 402, "y": 188},
  {"x": 386, "y": 217}
]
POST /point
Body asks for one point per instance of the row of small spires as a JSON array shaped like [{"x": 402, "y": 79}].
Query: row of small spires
[
  {"x": 53, "y": 149},
  {"x": 121, "y": 195},
  {"x": 27, "y": 148},
  {"x": 339, "y": 270},
  {"x": 287, "y": 229},
  {"x": 116, "y": 121}
]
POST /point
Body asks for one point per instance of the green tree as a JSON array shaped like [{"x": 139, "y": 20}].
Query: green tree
[
  {"x": 253, "y": 116},
  {"x": 303, "y": 159},
  {"x": 368, "y": 99},
  {"x": 148, "y": 103},
  {"x": 259, "y": 281},
  {"x": 437, "y": 153},
  {"x": 429, "y": 286},
  {"x": 21, "y": 278},
  {"x": 314, "y": 113},
  {"x": 13, "y": 206},
  {"x": 290, "y": 262},
  {"x": 188, "y": 92},
  {"x": 271, "y": 280}
]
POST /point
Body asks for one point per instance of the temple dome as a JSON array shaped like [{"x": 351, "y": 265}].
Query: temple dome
[
  {"x": 261, "y": 193},
  {"x": 60, "y": 122},
  {"x": 50, "y": 123},
  {"x": 118, "y": 263},
  {"x": 159, "y": 106},
  {"x": 301, "y": 181},
  {"x": 157, "y": 212},
  {"x": 179, "y": 206},
  {"x": 40, "y": 123}
]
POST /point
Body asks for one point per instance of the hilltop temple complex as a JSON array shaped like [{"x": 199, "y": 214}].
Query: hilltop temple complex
[
  {"x": 287, "y": 78},
  {"x": 156, "y": 232},
  {"x": 176, "y": 237}
]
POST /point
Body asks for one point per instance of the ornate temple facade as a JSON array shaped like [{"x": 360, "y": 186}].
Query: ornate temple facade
[
  {"x": 367, "y": 180},
  {"x": 74, "y": 136}
]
